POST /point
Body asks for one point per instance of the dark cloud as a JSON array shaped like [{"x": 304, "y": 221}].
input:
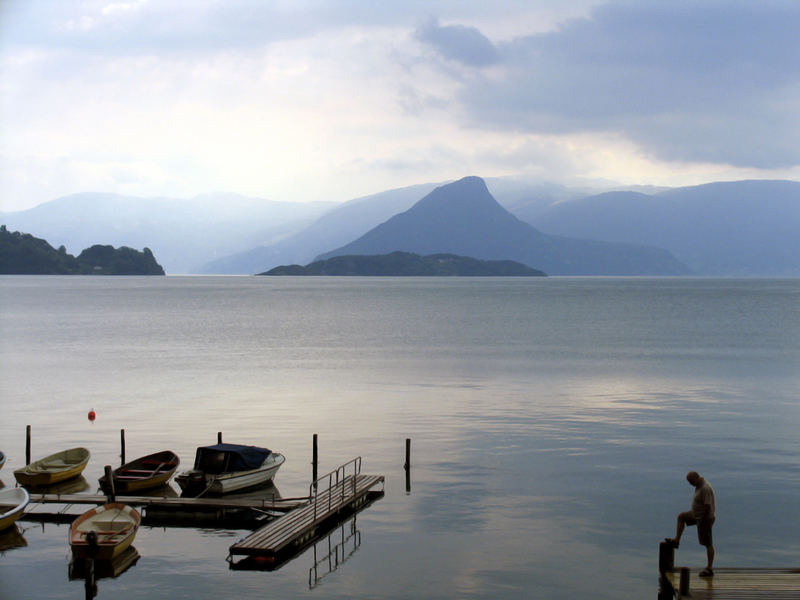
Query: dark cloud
[
  {"x": 466, "y": 45},
  {"x": 704, "y": 81}
]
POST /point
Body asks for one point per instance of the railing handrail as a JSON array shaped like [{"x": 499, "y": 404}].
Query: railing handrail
[{"x": 333, "y": 479}]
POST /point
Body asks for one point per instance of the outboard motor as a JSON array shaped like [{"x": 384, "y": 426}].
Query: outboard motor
[{"x": 196, "y": 482}]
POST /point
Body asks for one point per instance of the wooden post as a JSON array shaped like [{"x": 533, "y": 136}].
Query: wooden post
[
  {"x": 122, "y": 447},
  {"x": 666, "y": 557},
  {"x": 407, "y": 465},
  {"x": 684, "y": 584},
  {"x": 110, "y": 480},
  {"x": 219, "y": 437},
  {"x": 666, "y": 563},
  {"x": 27, "y": 445},
  {"x": 314, "y": 459}
]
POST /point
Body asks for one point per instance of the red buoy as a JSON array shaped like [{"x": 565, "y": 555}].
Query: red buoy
[{"x": 92, "y": 415}]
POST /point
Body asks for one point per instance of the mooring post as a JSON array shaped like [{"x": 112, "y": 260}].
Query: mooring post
[
  {"x": 121, "y": 447},
  {"x": 219, "y": 437},
  {"x": 27, "y": 445},
  {"x": 110, "y": 481},
  {"x": 407, "y": 465},
  {"x": 314, "y": 460},
  {"x": 684, "y": 584},
  {"x": 666, "y": 557}
]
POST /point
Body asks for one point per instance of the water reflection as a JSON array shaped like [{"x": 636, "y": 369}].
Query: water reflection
[
  {"x": 75, "y": 485},
  {"x": 91, "y": 571},
  {"x": 11, "y": 538},
  {"x": 338, "y": 547}
]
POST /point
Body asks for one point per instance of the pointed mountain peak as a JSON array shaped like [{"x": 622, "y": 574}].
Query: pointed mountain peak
[{"x": 468, "y": 193}]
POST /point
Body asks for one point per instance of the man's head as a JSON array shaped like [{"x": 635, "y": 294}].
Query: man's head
[{"x": 693, "y": 478}]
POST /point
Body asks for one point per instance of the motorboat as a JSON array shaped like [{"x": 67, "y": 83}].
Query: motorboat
[
  {"x": 147, "y": 472},
  {"x": 225, "y": 468},
  {"x": 12, "y": 503},
  {"x": 104, "y": 532},
  {"x": 2, "y": 459},
  {"x": 54, "y": 468}
]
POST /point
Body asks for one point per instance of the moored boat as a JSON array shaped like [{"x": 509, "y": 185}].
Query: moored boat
[
  {"x": 225, "y": 468},
  {"x": 54, "y": 468},
  {"x": 147, "y": 472},
  {"x": 104, "y": 532},
  {"x": 12, "y": 503},
  {"x": 2, "y": 459}
]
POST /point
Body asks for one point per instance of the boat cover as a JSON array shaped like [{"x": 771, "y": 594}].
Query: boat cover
[{"x": 224, "y": 458}]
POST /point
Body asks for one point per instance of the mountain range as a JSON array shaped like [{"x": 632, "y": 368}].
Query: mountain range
[
  {"x": 463, "y": 218},
  {"x": 742, "y": 228}
]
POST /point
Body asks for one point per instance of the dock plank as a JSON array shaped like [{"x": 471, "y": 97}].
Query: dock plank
[
  {"x": 743, "y": 584},
  {"x": 296, "y": 526},
  {"x": 199, "y": 503}
]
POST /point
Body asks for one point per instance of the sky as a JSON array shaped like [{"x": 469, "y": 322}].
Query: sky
[{"x": 308, "y": 100}]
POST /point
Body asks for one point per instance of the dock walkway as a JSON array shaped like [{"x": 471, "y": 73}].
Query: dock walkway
[
  {"x": 152, "y": 501},
  {"x": 299, "y": 526},
  {"x": 742, "y": 584}
]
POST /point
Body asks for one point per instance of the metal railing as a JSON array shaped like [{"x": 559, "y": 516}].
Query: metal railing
[{"x": 334, "y": 484}]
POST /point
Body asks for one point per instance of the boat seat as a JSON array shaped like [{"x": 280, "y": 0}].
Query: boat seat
[{"x": 109, "y": 527}]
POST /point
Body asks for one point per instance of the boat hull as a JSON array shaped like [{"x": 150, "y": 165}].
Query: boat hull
[
  {"x": 115, "y": 525},
  {"x": 225, "y": 483},
  {"x": 12, "y": 504},
  {"x": 54, "y": 468},
  {"x": 148, "y": 472}
]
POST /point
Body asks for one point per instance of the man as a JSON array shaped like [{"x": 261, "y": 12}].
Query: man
[{"x": 702, "y": 515}]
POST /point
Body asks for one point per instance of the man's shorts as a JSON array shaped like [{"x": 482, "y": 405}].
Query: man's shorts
[{"x": 703, "y": 528}]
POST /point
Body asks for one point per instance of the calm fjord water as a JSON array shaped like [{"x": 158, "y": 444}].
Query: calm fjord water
[{"x": 552, "y": 421}]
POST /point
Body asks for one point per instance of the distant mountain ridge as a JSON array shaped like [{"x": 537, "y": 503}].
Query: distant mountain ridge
[
  {"x": 740, "y": 228},
  {"x": 463, "y": 218},
  {"x": 184, "y": 233},
  {"x": 405, "y": 264}
]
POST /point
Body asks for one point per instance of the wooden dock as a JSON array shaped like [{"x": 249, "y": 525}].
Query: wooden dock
[
  {"x": 741, "y": 584},
  {"x": 241, "y": 512},
  {"x": 277, "y": 504},
  {"x": 726, "y": 583},
  {"x": 300, "y": 526}
]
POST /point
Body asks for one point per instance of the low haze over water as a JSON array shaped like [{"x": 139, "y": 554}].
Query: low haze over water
[{"x": 552, "y": 422}]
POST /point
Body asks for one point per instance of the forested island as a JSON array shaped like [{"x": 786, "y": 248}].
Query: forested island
[
  {"x": 24, "y": 254},
  {"x": 400, "y": 264}
]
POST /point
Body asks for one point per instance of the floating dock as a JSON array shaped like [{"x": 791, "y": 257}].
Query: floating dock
[{"x": 331, "y": 496}]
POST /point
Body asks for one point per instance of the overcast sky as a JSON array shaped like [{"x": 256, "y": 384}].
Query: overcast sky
[{"x": 331, "y": 99}]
